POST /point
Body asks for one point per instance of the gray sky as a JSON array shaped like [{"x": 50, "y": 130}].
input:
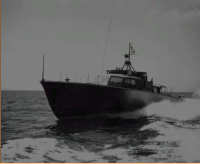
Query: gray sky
[{"x": 72, "y": 35}]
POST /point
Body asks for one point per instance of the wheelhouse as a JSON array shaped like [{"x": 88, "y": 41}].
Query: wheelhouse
[{"x": 129, "y": 78}]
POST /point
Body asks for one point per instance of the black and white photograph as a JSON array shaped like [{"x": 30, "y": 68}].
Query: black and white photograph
[{"x": 100, "y": 81}]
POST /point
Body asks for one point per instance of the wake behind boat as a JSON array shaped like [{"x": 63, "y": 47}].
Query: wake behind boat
[{"x": 120, "y": 90}]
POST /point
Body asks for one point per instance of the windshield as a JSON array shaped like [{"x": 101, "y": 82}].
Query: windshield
[
  {"x": 101, "y": 80},
  {"x": 116, "y": 81}
]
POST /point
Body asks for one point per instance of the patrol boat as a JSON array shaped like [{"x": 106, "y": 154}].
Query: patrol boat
[{"x": 120, "y": 90}]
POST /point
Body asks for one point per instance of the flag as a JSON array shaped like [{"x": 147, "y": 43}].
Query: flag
[{"x": 131, "y": 49}]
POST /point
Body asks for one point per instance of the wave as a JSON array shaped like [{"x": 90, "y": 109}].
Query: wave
[
  {"x": 196, "y": 94},
  {"x": 42, "y": 150},
  {"x": 53, "y": 150},
  {"x": 185, "y": 110},
  {"x": 180, "y": 144},
  {"x": 171, "y": 144}
]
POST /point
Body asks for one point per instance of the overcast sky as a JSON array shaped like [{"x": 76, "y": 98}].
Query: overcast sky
[{"x": 72, "y": 36}]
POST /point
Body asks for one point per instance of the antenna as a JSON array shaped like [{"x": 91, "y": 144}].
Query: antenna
[
  {"x": 106, "y": 44},
  {"x": 43, "y": 70}
]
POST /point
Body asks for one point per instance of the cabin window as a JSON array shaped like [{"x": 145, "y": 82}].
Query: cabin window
[
  {"x": 132, "y": 82},
  {"x": 127, "y": 81},
  {"x": 116, "y": 79},
  {"x": 101, "y": 80}
]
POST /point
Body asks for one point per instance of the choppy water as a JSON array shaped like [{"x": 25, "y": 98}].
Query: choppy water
[{"x": 31, "y": 133}]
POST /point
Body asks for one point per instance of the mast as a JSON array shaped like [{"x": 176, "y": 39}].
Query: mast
[{"x": 127, "y": 62}]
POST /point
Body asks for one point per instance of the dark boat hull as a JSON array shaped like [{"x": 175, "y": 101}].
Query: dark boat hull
[{"x": 77, "y": 99}]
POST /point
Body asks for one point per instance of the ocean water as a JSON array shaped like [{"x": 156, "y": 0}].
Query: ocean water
[{"x": 170, "y": 132}]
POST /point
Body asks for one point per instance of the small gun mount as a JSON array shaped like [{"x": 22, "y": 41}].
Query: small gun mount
[{"x": 67, "y": 79}]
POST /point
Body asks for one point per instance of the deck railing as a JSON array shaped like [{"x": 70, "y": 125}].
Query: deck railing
[{"x": 81, "y": 78}]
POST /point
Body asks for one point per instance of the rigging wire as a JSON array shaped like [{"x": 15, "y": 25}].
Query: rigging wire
[{"x": 106, "y": 44}]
